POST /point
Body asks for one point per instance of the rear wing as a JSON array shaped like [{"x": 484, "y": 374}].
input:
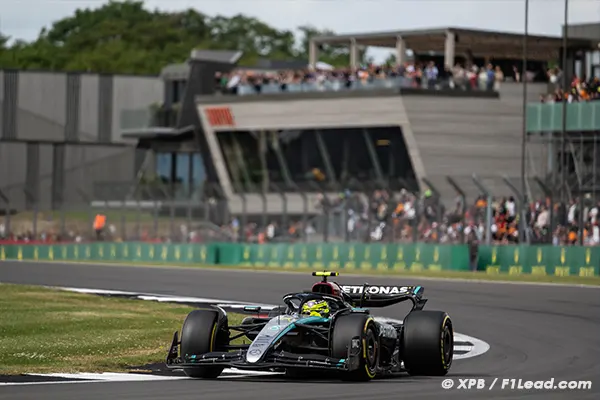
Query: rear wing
[
  {"x": 377, "y": 295},
  {"x": 383, "y": 296}
]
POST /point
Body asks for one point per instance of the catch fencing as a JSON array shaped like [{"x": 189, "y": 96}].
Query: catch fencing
[
  {"x": 390, "y": 212},
  {"x": 461, "y": 210}
]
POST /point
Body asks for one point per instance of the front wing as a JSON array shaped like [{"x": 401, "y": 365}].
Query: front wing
[{"x": 272, "y": 360}]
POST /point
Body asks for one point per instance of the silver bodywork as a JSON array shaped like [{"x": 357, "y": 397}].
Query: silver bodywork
[{"x": 269, "y": 334}]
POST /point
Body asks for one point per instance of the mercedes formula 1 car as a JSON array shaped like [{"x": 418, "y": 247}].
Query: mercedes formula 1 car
[{"x": 329, "y": 328}]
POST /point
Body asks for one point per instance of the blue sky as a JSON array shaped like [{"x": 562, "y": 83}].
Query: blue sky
[{"x": 24, "y": 18}]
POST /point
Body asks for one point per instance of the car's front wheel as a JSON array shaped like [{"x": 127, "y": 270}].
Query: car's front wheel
[
  {"x": 203, "y": 332},
  {"x": 361, "y": 326}
]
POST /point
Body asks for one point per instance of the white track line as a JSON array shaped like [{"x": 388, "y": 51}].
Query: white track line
[{"x": 125, "y": 377}]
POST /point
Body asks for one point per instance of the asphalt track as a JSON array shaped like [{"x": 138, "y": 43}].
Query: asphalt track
[{"x": 535, "y": 332}]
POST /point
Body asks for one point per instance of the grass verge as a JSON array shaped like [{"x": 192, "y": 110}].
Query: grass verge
[
  {"x": 457, "y": 275},
  {"x": 46, "y": 330}
]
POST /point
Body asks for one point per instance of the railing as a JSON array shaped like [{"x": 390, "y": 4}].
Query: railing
[
  {"x": 336, "y": 85},
  {"x": 548, "y": 117}
]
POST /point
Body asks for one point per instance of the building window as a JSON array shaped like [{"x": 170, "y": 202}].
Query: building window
[
  {"x": 177, "y": 90},
  {"x": 175, "y": 94},
  {"x": 163, "y": 166}
]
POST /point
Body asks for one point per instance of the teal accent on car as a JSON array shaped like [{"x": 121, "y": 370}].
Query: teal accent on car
[{"x": 307, "y": 320}]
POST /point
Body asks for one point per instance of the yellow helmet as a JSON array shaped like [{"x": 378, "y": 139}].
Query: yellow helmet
[{"x": 316, "y": 308}]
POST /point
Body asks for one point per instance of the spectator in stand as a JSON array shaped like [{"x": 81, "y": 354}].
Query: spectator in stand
[
  {"x": 498, "y": 78},
  {"x": 431, "y": 73}
]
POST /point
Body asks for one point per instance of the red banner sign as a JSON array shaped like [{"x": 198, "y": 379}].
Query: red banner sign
[{"x": 220, "y": 116}]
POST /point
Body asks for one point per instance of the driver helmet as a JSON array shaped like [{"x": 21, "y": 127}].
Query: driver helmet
[{"x": 316, "y": 308}]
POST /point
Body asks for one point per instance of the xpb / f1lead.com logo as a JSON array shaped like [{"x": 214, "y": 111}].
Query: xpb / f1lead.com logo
[{"x": 515, "y": 384}]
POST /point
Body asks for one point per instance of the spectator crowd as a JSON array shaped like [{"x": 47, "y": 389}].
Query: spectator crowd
[
  {"x": 356, "y": 216},
  {"x": 578, "y": 90},
  {"x": 410, "y": 74}
]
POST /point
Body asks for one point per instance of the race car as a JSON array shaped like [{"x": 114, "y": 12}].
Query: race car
[{"x": 328, "y": 328}]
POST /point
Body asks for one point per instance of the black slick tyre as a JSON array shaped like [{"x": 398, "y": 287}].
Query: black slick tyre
[
  {"x": 203, "y": 332},
  {"x": 362, "y": 326},
  {"x": 428, "y": 343}
]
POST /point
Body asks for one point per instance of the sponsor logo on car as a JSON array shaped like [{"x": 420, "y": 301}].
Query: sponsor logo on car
[{"x": 391, "y": 290}]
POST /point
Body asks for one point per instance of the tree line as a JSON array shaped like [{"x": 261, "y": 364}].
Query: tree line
[{"x": 126, "y": 38}]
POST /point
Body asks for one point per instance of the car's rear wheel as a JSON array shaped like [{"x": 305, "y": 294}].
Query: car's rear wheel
[
  {"x": 428, "y": 343},
  {"x": 361, "y": 326},
  {"x": 203, "y": 331}
]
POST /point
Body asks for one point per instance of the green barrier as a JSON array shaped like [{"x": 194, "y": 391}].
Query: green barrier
[
  {"x": 127, "y": 252},
  {"x": 349, "y": 256},
  {"x": 540, "y": 260},
  {"x": 508, "y": 259}
]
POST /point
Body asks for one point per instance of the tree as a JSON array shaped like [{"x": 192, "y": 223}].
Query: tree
[{"x": 125, "y": 37}]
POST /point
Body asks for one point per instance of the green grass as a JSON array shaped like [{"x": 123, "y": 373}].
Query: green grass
[
  {"x": 45, "y": 330},
  {"x": 460, "y": 275}
]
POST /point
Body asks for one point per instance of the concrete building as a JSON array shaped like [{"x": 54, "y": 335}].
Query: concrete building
[
  {"x": 588, "y": 62},
  {"x": 60, "y": 135}
]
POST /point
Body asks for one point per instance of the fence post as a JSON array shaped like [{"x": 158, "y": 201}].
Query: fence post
[
  {"x": 171, "y": 216},
  {"x": 124, "y": 218},
  {"x": 138, "y": 214},
  {"x": 155, "y": 210},
  {"x": 284, "y": 207},
  {"x": 30, "y": 199},
  {"x": 325, "y": 207},
  {"x": 463, "y": 199},
  {"x": 346, "y": 215},
  {"x": 524, "y": 236},
  {"x": 369, "y": 192},
  {"x": 304, "y": 211},
  {"x": 107, "y": 210},
  {"x": 549, "y": 194},
  {"x": 264, "y": 217},
  {"x": 206, "y": 201},
  {"x": 6, "y": 201},
  {"x": 190, "y": 217},
  {"x": 86, "y": 201},
  {"x": 439, "y": 211},
  {"x": 415, "y": 221},
  {"x": 221, "y": 206},
  {"x": 488, "y": 218},
  {"x": 63, "y": 224},
  {"x": 392, "y": 203},
  {"x": 244, "y": 219}
]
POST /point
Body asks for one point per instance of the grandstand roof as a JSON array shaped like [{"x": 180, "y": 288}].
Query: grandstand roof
[{"x": 480, "y": 42}]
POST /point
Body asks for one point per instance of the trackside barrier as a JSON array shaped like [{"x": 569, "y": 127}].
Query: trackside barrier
[
  {"x": 124, "y": 252},
  {"x": 366, "y": 257},
  {"x": 504, "y": 259},
  {"x": 540, "y": 260}
]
